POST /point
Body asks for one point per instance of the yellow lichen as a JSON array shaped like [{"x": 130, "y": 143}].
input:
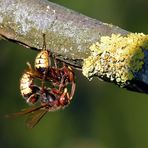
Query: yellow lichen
[{"x": 117, "y": 57}]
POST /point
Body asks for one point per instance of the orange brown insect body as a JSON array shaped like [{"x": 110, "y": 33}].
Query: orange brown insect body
[
  {"x": 60, "y": 78},
  {"x": 55, "y": 97},
  {"x": 63, "y": 77},
  {"x": 49, "y": 102}
]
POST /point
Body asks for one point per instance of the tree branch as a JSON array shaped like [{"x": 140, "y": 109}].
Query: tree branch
[
  {"x": 70, "y": 36},
  {"x": 68, "y": 33}
]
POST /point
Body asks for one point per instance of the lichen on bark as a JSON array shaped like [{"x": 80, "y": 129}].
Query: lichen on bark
[{"x": 116, "y": 58}]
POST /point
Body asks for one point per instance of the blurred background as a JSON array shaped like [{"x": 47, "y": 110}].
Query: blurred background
[{"x": 101, "y": 115}]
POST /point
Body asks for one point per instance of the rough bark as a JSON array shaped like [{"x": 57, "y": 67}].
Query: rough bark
[{"x": 68, "y": 33}]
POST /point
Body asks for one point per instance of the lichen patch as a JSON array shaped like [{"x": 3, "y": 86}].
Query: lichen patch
[{"x": 116, "y": 58}]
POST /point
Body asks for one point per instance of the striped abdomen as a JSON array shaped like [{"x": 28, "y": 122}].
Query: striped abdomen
[
  {"x": 25, "y": 83},
  {"x": 42, "y": 61}
]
